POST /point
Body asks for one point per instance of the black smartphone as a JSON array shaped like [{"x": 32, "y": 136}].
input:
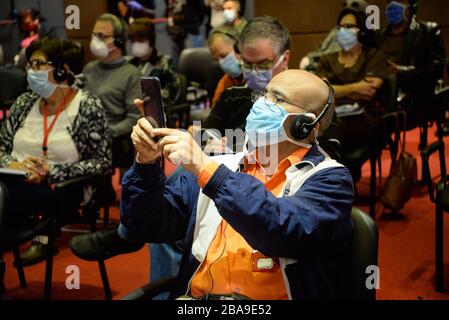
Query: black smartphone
[{"x": 152, "y": 101}]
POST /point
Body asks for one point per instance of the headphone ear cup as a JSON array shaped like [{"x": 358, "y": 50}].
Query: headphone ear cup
[
  {"x": 236, "y": 48},
  {"x": 301, "y": 127},
  {"x": 60, "y": 74},
  {"x": 119, "y": 42}
]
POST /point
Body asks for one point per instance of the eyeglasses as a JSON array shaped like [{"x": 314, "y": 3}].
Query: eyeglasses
[
  {"x": 260, "y": 66},
  {"x": 273, "y": 100},
  {"x": 36, "y": 65},
  {"x": 102, "y": 36},
  {"x": 349, "y": 26}
]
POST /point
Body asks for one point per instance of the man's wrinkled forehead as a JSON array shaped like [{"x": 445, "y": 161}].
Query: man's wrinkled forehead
[
  {"x": 301, "y": 87},
  {"x": 258, "y": 51},
  {"x": 280, "y": 89}
]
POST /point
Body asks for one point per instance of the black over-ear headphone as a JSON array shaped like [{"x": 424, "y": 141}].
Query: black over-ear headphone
[
  {"x": 232, "y": 37},
  {"x": 303, "y": 125},
  {"x": 119, "y": 32},
  {"x": 60, "y": 74}
]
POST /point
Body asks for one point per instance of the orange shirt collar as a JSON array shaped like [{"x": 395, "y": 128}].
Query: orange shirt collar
[{"x": 294, "y": 158}]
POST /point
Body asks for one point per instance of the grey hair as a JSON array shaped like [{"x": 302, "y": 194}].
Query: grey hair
[
  {"x": 119, "y": 26},
  {"x": 269, "y": 28},
  {"x": 228, "y": 34}
]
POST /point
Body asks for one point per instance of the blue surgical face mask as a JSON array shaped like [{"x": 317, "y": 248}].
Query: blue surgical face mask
[
  {"x": 39, "y": 83},
  {"x": 347, "y": 39},
  {"x": 265, "y": 125},
  {"x": 231, "y": 65},
  {"x": 395, "y": 12},
  {"x": 259, "y": 79}
]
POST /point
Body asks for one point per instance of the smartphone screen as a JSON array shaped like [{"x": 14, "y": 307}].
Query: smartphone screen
[{"x": 152, "y": 101}]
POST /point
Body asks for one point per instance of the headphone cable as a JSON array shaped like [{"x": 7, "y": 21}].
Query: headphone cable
[{"x": 219, "y": 257}]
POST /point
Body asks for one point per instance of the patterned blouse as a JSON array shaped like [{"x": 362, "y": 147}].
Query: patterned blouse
[{"x": 89, "y": 132}]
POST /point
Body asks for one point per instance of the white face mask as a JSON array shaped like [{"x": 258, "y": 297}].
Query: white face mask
[
  {"x": 229, "y": 15},
  {"x": 141, "y": 49},
  {"x": 99, "y": 48}
]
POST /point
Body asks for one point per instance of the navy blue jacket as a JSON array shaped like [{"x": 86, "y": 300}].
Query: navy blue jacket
[{"x": 313, "y": 226}]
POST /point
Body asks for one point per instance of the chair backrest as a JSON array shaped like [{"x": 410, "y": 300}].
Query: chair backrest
[
  {"x": 2, "y": 56},
  {"x": 3, "y": 206},
  {"x": 22, "y": 62},
  {"x": 13, "y": 83},
  {"x": 364, "y": 254},
  {"x": 198, "y": 66},
  {"x": 3, "y": 203}
]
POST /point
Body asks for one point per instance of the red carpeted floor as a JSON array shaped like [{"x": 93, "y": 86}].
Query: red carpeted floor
[{"x": 406, "y": 253}]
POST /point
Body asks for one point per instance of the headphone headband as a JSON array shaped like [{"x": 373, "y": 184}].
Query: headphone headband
[
  {"x": 329, "y": 102},
  {"x": 229, "y": 35},
  {"x": 303, "y": 125}
]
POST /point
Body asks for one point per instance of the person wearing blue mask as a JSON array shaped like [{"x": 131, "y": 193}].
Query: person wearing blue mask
[
  {"x": 250, "y": 232},
  {"x": 56, "y": 133},
  {"x": 416, "y": 56},
  {"x": 357, "y": 74},
  {"x": 224, "y": 47},
  {"x": 329, "y": 44},
  {"x": 264, "y": 46}
]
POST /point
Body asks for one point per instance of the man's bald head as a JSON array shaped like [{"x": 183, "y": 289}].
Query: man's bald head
[{"x": 303, "y": 89}]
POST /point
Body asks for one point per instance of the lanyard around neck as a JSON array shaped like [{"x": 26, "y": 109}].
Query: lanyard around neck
[{"x": 47, "y": 129}]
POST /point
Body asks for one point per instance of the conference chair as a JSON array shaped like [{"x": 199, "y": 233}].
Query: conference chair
[
  {"x": 203, "y": 75},
  {"x": 391, "y": 126},
  {"x": 365, "y": 242},
  {"x": 3, "y": 206},
  {"x": 438, "y": 195},
  {"x": 364, "y": 254},
  {"x": 13, "y": 237},
  {"x": 2, "y": 56},
  {"x": 12, "y": 84}
]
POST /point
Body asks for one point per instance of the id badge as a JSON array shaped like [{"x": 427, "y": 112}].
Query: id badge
[{"x": 261, "y": 263}]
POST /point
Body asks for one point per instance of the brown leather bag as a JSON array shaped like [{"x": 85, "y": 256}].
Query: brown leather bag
[{"x": 398, "y": 188}]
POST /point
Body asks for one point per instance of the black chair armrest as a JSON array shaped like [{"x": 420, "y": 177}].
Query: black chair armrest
[
  {"x": 74, "y": 182},
  {"x": 429, "y": 150},
  {"x": 442, "y": 183},
  {"x": 151, "y": 290},
  {"x": 425, "y": 155}
]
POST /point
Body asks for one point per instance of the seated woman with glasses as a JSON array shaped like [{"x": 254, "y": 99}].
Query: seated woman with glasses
[
  {"x": 357, "y": 74},
  {"x": 55, "y": 133}
]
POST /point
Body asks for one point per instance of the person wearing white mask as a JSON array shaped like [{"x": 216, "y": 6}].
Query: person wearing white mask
[
  {"x": 224, "y": 47},
  {"x": 232, "y": 15},
  {"x": 150, "y": 63},
  {"x": 56, "y": 133},
  {"x": 357, "y": 74},
  {"x": 116, "y": 82}
]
